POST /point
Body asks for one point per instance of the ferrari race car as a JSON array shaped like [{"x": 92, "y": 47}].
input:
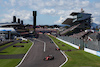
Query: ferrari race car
[
  {"x": 57, "y": 48},
  {"x": 49, "y": 57}
]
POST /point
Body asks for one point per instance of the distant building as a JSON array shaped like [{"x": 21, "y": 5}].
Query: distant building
[
  {"x": 15, "y": 25},
  {"x": 7, "y": 33},
  {"x": 80, "y": 22},
  {"x": 14, "y": 28},
  {"x": 84, "y": 19}
]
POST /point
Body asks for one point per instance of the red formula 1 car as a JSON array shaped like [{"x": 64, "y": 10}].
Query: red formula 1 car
[
  {"x": 49, "y": 57},
  {"x": 57, "y": 48}
]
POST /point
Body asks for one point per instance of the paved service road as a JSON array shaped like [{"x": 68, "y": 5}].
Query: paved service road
[{"x": 36, "y": 54}]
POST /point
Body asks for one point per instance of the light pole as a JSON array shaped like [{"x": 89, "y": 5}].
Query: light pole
[{"x": 34, "y": 21}]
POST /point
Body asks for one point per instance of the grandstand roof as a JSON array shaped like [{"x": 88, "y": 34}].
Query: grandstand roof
[
  {"x": 6, "y": 24},
  {"x": 5, "y": 29},
  {"x": 68, "y": 21},
  {"x": 74, "y": 13}
]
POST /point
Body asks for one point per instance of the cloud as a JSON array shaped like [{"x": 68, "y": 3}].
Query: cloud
[
  {"x": 62, "y": 18},
  {"x": 75, "y": 6},
  {"x": 32, "y": 4},
  {"x": 97, "y": 5},
  {"x": 61, "y": 8},
  {"x": 48, "y": 11},
  {"x": 59, "y": 21},
  {"x": 61, "y": 12},
  {"x": 13, "y": 2},
  {"x": 23, "y": 15},
  {"x": 95, "y": 20},
  {"x": 7, "y": 18}
]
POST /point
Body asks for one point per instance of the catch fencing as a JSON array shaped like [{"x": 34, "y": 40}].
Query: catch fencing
[{"x": 93, "y": 45}]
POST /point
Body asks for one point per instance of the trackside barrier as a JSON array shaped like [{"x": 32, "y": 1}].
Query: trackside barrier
[
  {"x": 97, "y": 53},
  {"x": 92, "y": 51},
  {"x": 77, "y": 47}
]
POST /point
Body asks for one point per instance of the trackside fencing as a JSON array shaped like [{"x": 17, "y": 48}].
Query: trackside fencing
[
  {"x": 89, "y": 46},
  {"x": 74, "y": 41}
]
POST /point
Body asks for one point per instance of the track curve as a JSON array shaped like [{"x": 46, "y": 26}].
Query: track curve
[{"x": 36, "y": 54}]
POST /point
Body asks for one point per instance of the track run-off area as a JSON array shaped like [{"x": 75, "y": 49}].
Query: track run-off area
[{"x": 42, "y": 47}]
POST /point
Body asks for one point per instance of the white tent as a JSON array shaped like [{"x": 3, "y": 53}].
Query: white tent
[{"x": 4, "y": 30}]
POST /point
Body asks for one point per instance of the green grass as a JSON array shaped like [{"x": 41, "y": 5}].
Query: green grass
[
  {"x": 78, "y": 58},
  {"x": 9, "y": 62},
  {"x": 16, "y": 50},
  {"x": 62, "y": 43},
  {"x": 5, "y": 45}
]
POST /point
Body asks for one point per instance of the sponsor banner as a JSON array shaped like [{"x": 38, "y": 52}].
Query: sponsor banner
[
  {"x": 90, "y": 51},
  {"x": 98, "y": 53}
]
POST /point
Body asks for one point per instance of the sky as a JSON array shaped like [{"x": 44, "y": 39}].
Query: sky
[{"x": 49, "y": 12}]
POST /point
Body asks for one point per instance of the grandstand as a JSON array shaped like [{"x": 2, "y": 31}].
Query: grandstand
[
  {"x": 12, "y": 28},
  {"x": 78, "y": 24},
  {"x": 79, "y": 35},
  {"x": 69, "y": 29}
]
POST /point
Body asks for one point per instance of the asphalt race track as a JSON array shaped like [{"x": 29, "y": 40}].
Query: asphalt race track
[{"x": 36, "y": 54}]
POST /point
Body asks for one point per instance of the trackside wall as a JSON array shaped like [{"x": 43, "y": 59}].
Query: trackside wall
[{"x": 77, "y": 47}]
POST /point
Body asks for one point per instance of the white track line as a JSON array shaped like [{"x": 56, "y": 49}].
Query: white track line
[
  {"x": 65, "y": 57},
  {"x": 25, "y": 55},
  {"x": 62, "y": 53},
  {"x": 44, "y": 44}
]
